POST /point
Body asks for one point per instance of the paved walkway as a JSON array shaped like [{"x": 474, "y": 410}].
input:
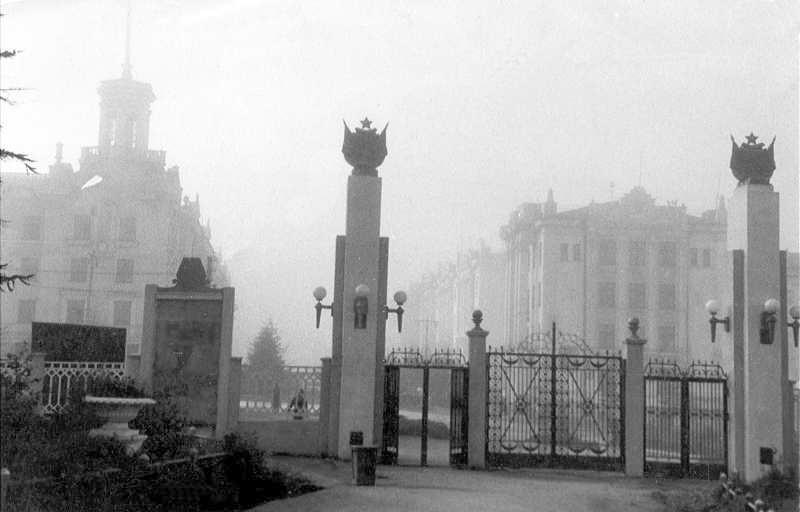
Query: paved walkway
[{"x": 448, "y": 490}]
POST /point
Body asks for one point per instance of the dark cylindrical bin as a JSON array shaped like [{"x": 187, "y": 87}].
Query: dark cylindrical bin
[
  {"x": 356, "y": 438},
  {"x": 365, "y": 458}
]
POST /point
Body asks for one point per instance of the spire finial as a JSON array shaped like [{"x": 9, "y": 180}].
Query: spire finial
[{"x": 126, "y": 68}]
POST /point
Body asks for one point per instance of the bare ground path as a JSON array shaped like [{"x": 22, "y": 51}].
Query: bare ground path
[{"x": 447, "y": 490}]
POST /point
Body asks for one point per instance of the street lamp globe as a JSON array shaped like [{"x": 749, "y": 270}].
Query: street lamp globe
[
  {"x": 320, "y": 293},
  {"x": 771, "y": 306},
  {"x": 400, "y": 297},
  {"x": 712, "y": 307}
]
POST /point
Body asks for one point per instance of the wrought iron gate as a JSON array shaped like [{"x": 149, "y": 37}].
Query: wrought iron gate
[
  {"x": 459, "y": 417},
  {"x": 391, "y": 414},
  {"x": 686, "y": 419},
  {"x": 412, "y": 358},
  {"x": 555, "y": 410}
]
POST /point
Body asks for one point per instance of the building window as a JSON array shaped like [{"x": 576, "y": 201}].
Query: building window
[
  {"x": 637, "y": 296},
  {"x": 82, "y": 228},
  {"x": 124, "y": 271},
  {"x": 693, "y": 256},
  {"x": 606, "y": 295},
  {"x": 637, "y": 253},
  {"x": 607, "y": 252},
  {"x": 564, "y": 252},
  {"x": 666, "y": 297},
  {"x": 75, "y": 311},
  {"x": 122, "y": 313},
  {"x": 127, "y": 229},
  {"x": 576, "y": 252},
  {"x": 666, "y": 338},
  {"x": 79, "y": 270},
  {"x": 26, "y": 312},
  {"x": 706, "y": 257},
  {"x": 606, "y": 336},
  {"x": 32, "y": 228},
  {"x": 29, "y": 265},
  {"x": 667, "y": 254}
]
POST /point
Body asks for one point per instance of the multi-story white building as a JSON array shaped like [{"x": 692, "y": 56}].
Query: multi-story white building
[{"x": 94, "y": 238}]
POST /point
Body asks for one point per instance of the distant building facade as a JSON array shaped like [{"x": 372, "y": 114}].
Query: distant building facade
[
  {"x": 94, "y": 238},
  {"x": 444, "y": 300},
  {"x": 591, "y": 269}
]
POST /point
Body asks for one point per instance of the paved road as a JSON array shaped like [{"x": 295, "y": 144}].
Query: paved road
[{"x": 448, "y": 490}]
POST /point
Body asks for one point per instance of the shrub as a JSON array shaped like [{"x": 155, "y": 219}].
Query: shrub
[
  {"x": 106, "y": 385},
  {"x": 160, "y": 418}
]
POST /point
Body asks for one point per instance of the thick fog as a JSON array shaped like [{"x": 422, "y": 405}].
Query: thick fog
[{"x": 489, "y": 104}]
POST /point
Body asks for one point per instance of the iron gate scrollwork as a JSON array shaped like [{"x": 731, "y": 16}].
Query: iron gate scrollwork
[
  {"x": 448, "y": 359},
  {"x": 459, "y": 417},
  {"x": 686, "y": 419},
  {"x": 555, "y": 409},
  {"x": 391, "y": 414}
]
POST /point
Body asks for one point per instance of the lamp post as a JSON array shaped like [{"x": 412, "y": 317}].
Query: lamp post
[
  {"x": 794, "y": 312},
  {"x": 712, "y": 307},
  {"x": 319, "y": 293},
  {"x": 768, "y": 320},
  {"x": 400, "y": 298}
]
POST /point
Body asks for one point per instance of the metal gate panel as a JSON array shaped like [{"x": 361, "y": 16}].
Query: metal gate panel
[
  {"x": 555, "y": 409},
  {"x": 391, "y": 414},
  {"x": 686, "y": 419},
  {"x": 459, "y": 418}
]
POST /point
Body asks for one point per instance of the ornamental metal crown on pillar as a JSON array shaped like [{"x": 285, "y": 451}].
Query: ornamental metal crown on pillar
[
  {"x": 364, "y": 149},
  {"x": 751, "y": 163}
]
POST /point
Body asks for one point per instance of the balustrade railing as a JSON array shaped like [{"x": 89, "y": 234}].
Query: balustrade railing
[
  {"x": 265, "y": 393},
  {"x": 60, "y": 377}
]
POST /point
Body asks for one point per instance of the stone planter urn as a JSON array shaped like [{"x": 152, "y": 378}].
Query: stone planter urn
[{"x": 118, "y": 412}]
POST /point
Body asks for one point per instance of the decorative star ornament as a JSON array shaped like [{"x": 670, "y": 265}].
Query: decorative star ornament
[
  {"x": 751, "y": 139},
  {"x": 366, "y": 123}
]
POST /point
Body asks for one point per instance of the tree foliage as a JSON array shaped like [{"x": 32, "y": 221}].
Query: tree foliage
[
  {"x": 265, "y": 359},
  {"x": 8, "y": 281}
]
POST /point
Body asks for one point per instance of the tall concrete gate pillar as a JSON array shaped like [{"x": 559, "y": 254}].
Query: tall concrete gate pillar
[
  {"x": 478, "y": 389},
  {"x": 634, "y": 401},
  {"x": 760, "y": 350},
  {"x": 358, "y": 341}
]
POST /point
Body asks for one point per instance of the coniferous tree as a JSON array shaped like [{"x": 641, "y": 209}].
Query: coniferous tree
[{"x": 265, "y": 360}]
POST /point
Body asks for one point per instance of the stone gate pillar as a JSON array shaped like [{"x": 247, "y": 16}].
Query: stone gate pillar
[
  {"x": 634, "y": 401},
  {"x": 478, "y": 384},
  {"x": 760, "y": 347}
]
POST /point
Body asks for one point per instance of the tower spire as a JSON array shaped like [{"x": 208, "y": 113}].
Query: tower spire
[{"x": 126, "y": 68}]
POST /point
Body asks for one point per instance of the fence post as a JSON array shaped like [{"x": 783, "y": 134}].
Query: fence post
[
  {"x": 478, "y": 387},
  {"x": 634, "y": 401},
  {"x": 324, "y": 406},
  {"x": 234, "y": 393},
  {"x": 276, "y": 398}
]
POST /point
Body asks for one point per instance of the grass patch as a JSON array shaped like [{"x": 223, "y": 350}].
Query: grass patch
[
  {"x": 779, "y": 491},
  {"x": 436, "y": 429}
]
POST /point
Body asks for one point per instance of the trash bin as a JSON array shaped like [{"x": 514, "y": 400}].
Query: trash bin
[{"x": 365, "y": 459}]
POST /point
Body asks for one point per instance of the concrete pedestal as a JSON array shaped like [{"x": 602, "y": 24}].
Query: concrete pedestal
[{"x": 760, "y": 376}]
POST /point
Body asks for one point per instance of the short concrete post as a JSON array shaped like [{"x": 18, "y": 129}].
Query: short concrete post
[
  {"x": 477, "y": 393},
  {"x": 234, "y": 392},
  {"x": 324, "y": 405},
  {"x": 5, "y": 476},
  {"x": 634, "y": 401}
]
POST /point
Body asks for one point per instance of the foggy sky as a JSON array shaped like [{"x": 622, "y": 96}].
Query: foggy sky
[{"x": 489, "y": 105}]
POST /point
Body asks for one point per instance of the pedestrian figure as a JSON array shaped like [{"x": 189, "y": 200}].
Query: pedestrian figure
[{"x": 298, "y": 405}]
